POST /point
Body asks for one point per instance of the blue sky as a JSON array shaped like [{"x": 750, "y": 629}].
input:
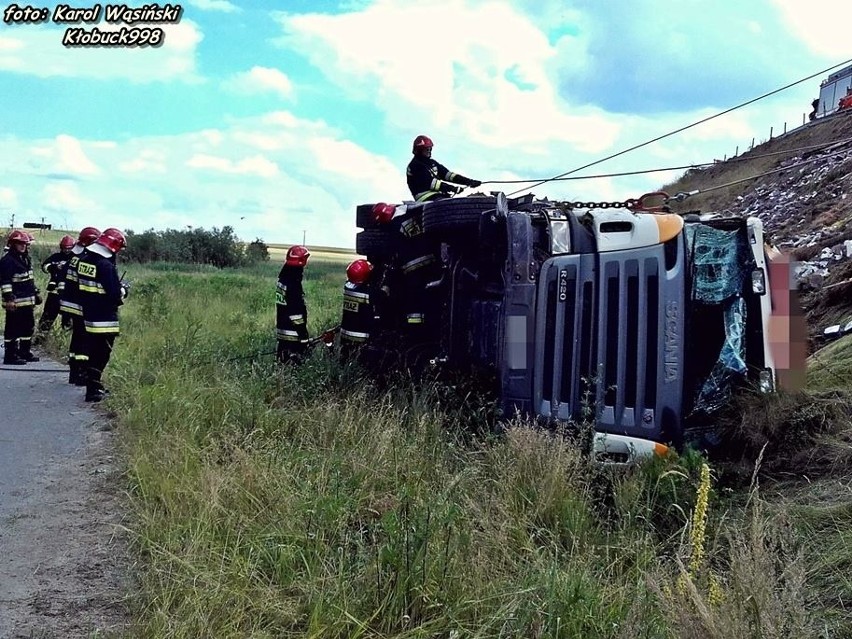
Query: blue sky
[{"x": 278, "y": 118}]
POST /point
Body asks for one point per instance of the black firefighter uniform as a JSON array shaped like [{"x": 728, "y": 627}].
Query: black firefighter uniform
[
  {"x": 291, "y": 321},
  {"x": 69, "y": 306},
  {"x": 19, "y": 292},
  {"x": 100, "y": 293},
  {"x": 358, "y": 317},
  {"x": 55, "y": 267}
]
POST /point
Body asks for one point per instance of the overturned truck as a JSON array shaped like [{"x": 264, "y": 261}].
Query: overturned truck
[{"x": 643, "y": 323}]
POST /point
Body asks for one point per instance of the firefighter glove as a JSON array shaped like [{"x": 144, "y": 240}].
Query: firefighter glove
[
  {"x": 38, "y": 299},
  {"x": 474, "y": 183},
  {"x": 10, "y": 305}
]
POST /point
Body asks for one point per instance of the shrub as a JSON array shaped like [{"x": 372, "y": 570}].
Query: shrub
[
  {"x": 217, "y": 247},
  {"x": 257, "y": 251}
]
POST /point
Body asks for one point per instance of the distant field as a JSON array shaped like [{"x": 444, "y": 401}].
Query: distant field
[
  {"x": 276, "y": 251},
  {"x": 41, "y": 237}
]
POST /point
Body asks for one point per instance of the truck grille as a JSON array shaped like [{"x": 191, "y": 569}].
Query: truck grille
[{"x": 609, "y": 341}]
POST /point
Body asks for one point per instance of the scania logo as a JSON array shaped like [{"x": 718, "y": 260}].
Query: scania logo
[
  {"x": 563, "y": 285},
  {"x": 671, "y": 359}
]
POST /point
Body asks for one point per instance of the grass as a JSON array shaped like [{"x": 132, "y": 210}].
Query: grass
[{"x": 306, "y": 502}]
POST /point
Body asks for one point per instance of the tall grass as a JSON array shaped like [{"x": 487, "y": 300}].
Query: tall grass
[{"x": 306, "y": 502}]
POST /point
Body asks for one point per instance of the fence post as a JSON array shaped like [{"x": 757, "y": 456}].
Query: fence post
[
  {"x": 785, "y": 126},
  {"x": 770, "y": 132},
  {"x": 752, "y": 145}
]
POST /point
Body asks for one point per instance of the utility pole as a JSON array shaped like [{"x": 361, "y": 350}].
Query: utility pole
[{"x": 304, "y": 235}]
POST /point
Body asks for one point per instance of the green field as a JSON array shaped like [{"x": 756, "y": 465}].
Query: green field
[{"x": 308, "y": 502}]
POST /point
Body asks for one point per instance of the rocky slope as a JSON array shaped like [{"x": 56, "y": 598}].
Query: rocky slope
[{"x": 800, "y": 186}]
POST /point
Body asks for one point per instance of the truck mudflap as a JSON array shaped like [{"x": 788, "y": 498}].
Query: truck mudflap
[{"x": 609, "y": 341}]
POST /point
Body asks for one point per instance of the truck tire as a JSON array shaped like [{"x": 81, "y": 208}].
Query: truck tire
[
  {"x": 364, "y": 217},
  {"x": 376, "y": 243},
  {"x": 451, "y": 218}
]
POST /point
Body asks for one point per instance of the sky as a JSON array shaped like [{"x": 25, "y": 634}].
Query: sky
[{"x": 278, "y": 118}]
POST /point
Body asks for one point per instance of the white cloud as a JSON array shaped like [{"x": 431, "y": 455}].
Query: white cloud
[
  {"x": 497, "y": 95},
  {"x": 147, "y": 161},
  {"x": 71, "y": 158},
  {"x": 311, "y": 178},
  {"x": 8, "y": 197},
  {"x": 38, "y": 50},
  {"x": 66, "y": 198},
  {"x": 261, "y": 79},
  {"x": 255, "y": 165},
  {"x": 214, "y": 5},
  {"x": 819, "y": 25}
]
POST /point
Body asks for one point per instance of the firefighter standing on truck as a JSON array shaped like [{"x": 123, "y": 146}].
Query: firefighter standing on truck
[
  {"x": 359, "y": 313},
  {"x": 72, "y": 311},
  {"x": 100, "y": 292},
  {"x": 20, "y": 297},
  {"x": 291, "y": 314},
  {"x": 430, "y": 180},
  {"x": 54, "y": 266}
]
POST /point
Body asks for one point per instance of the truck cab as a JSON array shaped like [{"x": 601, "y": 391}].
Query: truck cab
[{"x": 642, "y": 324}]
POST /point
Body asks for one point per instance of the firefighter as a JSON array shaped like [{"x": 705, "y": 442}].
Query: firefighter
[
  {"x": 430, "y": 180},
  {"x": 54, "y": 266},
  {"x": 72, "y": 312},
  {"x": 20, "y": 297},
  {"x": 291, "y": 313},
  {"x": 100, "y": 292},
  {"x": 814, "y": 108},
  {"x": 358, "y": 309}
]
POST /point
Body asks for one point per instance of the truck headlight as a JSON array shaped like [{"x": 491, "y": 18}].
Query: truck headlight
[
  {"x": 758, "y": 281},
  {"x": 560, "y": 237}
]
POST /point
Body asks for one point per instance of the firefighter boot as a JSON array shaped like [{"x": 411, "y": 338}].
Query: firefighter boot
[
  {"x": 25, "y": 351},
  {"x": 11, "y": 357},
  {"x": 95, "y": 391},
  {"x": 76, "y": 372}
]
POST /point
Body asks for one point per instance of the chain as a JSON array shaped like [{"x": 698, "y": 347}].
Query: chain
[
  {"x": 627, "y": 204},
  {"x": 641, "y": 203}
]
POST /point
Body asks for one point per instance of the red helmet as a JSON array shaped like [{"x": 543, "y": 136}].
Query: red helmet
[
  {"x": 19, "y": 236},
  {"x": 88, "y": 235},
  {"x": 421, "y": 142},
  {"x": 297, "y": 256},
  {"x": 67, "y": 242},
  {"x": 383, "y": 213},
  {"x": 359, "y": 271},
  {"x": 113, "y": 239}
]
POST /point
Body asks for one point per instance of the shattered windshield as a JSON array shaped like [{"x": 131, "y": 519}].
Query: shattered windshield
[{"x": 720, "y": 261}]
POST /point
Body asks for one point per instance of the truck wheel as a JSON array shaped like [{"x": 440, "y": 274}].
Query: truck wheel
[
  {"x": 450, "y": 218},
  {"x": 376, "y": 243},
  {"x": 364, "y": 217}
]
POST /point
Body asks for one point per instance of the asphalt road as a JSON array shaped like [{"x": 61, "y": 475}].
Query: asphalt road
[
  {"x": 42, "y": 418},
  {"x": 59, "y": 509}
]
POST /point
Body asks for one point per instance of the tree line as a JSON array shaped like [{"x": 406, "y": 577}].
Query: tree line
[{"x": 217, "y": 247}]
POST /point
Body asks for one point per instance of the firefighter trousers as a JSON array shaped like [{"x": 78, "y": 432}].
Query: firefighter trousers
[
  {"x": 99, "y": 349},
  {"x": 18, "y": 330},
  {"x": 48, "y": 315}
]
